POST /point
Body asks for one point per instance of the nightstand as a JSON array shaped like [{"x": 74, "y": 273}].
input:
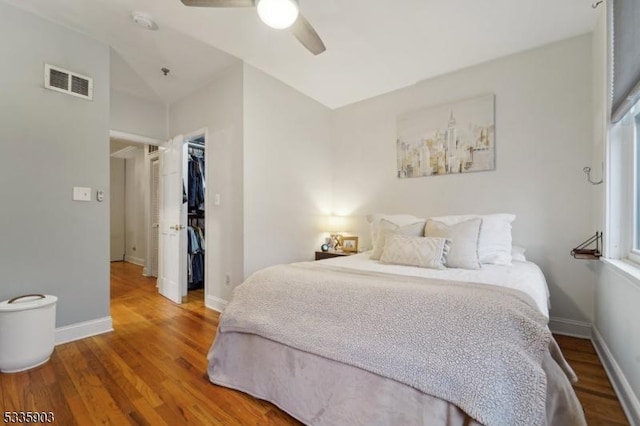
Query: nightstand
[{"x": 329, "y": 254}]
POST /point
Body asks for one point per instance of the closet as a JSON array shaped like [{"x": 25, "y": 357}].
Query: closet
[{"x": 193, "y": 197}]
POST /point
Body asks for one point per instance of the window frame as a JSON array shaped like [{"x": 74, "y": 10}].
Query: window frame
[
  {"x": 622, "y": 199},
  {"x": 633, "y": 253},
  {"x": 624, "y": 220}
]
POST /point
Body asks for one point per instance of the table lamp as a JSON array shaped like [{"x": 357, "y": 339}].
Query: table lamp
[{"x": 334, "y": 226}]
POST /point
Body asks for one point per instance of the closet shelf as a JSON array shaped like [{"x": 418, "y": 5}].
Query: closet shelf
[{"x": 582, "y": 252}]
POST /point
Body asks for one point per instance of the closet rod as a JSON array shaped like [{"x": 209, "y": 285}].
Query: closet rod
[{"x": 195, "y": 145}]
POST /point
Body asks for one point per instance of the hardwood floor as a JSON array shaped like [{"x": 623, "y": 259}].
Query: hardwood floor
[
  {"x": 599, "y": 400},
  {"x": 152, "y": 370}
]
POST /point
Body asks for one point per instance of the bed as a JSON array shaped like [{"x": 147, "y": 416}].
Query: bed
[{"x": 352, "y": 340}]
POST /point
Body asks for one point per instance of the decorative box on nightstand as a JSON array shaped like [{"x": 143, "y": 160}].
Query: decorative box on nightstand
[{"x": 329, "y": 254}]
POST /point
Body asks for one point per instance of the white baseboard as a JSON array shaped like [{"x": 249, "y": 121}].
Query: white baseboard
[
  {"x": 568, "y": 327},
  {"x": 628, "y": 399},
  {"x": 215, "y": 303},
  {"x": 80, "y": 330},
  {"x": 135, "y": 260}
]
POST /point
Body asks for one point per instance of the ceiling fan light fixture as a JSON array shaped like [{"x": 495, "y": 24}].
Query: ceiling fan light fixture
[{"x": 278, "y": 14}]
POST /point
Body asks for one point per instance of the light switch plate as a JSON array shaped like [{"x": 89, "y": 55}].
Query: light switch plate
[
  {"x": 216, "y": 199},
  {"x": 81, "y": 193}
]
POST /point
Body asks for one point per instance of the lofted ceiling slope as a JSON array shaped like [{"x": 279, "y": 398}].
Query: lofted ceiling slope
[{"x": 373, "y": 46}]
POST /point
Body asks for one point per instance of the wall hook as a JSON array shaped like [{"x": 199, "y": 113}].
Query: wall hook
[
  {"x": 587, "y": 171},
  {"x": 596, "y": 4}
]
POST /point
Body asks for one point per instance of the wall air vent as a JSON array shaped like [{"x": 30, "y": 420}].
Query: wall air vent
[{"x": 68, "y": 82}]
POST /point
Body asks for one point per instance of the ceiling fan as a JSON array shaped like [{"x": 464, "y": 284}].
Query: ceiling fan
[{"x": 279, "y": 14}]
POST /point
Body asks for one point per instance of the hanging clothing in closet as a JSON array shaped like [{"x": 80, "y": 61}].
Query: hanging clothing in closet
[
  {"x": 193, "y": 195},
  {"x": 196, "y": 180},
  {"x": 195, "y": 261}
]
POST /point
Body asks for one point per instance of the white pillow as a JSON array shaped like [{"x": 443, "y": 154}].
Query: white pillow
[
  {"x": 464, "y": 237},
  {"x": 387, "y": 228},
  {"x": 398, "y": 219},
  {"x": 517, "y": 254},
  {"x": 415, "y": 251},
  {"x": 495, "y": 235}
]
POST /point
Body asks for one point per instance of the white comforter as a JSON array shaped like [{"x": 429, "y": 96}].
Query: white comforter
[
  {"x": 430, "y": 334},
  {"x": 524, "y": 276}
]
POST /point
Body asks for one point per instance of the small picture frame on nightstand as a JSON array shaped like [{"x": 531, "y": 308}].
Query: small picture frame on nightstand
[{"x": 350, "y": 244}]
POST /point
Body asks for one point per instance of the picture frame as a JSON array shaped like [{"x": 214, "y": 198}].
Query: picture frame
[
  {"x": 350, "y": 244},
  {"x": 458, "y": 137}
]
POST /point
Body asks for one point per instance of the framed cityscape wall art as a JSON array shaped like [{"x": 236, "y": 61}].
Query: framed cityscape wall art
[{"x": 454, "y": 138}]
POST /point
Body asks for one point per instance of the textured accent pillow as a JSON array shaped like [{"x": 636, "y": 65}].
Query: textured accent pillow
[
  {"x": 398, "y": 219},
  {"x": 464, "y": 237},
  {"x": 415, "y": 251},
  {"x": 387, "y": 228},
  {"x": 495, "y": 235}
]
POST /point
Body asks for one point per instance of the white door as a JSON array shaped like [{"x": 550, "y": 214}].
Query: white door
[
  {"x": 172, "y": 252},
  {"x": 155, "y": 216}
]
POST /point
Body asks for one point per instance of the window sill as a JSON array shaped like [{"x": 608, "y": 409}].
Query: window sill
[{"x": 628, "y": 269}]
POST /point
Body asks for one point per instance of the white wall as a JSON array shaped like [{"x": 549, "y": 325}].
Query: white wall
[
  {"x": 218, "y": 107},
  {"x": 617, "y": 328},
  {"x": 287, "y": 171},
  {"x": 138, "y": 116},
  {"x": 136, "y": 187},
  {"x": 268, "y": 151},
  {"x": 543, "y": 137},
  {"x": 49, "y": 143}
]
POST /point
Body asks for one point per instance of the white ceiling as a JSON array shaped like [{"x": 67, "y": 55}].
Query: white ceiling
[
  {"x": 121, "y": 148},
  {"x": 373, "y": 46}
]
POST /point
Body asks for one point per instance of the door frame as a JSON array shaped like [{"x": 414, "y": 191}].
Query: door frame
[
  {"x": 149, "y": 159},
  {"x": 143, "y": 140},
  {"x": 204, "y": 131},
  {"x": 132, "y": 137}
]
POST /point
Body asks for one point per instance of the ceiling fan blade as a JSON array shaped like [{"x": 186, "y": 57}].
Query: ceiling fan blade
[
  {"x": 306, "y": 35},
  {"x": 219, "y": 3}
]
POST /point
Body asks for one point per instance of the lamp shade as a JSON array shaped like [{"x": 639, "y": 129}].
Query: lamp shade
[
  {"x": 278, "y": 14},
  {"x": 336, "y": 224}
]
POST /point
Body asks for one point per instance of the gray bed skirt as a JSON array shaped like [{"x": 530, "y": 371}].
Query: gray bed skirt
[{"x": 319, "y": 391}]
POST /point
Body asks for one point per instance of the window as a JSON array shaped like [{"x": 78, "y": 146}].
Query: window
[
  {"x": 636, "y": 189},
  {"x": 634, "y": 223},
  {"x": 622, "y": 197},
  {"x": 623, "y": 188}
]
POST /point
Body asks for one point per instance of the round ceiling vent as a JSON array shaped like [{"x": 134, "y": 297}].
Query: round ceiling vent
[{"x": 144, "y": 20}]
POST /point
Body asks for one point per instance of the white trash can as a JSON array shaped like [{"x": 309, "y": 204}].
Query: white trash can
[{"x": 27, "y": 331}]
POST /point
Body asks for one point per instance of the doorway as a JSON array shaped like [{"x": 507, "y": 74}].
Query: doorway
[
  {"x": 130, "y": 195},
  {"x": 194, "y": 177},
  {"x": 164, "y": 185},
  {"x": 183, "y": 200}
]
